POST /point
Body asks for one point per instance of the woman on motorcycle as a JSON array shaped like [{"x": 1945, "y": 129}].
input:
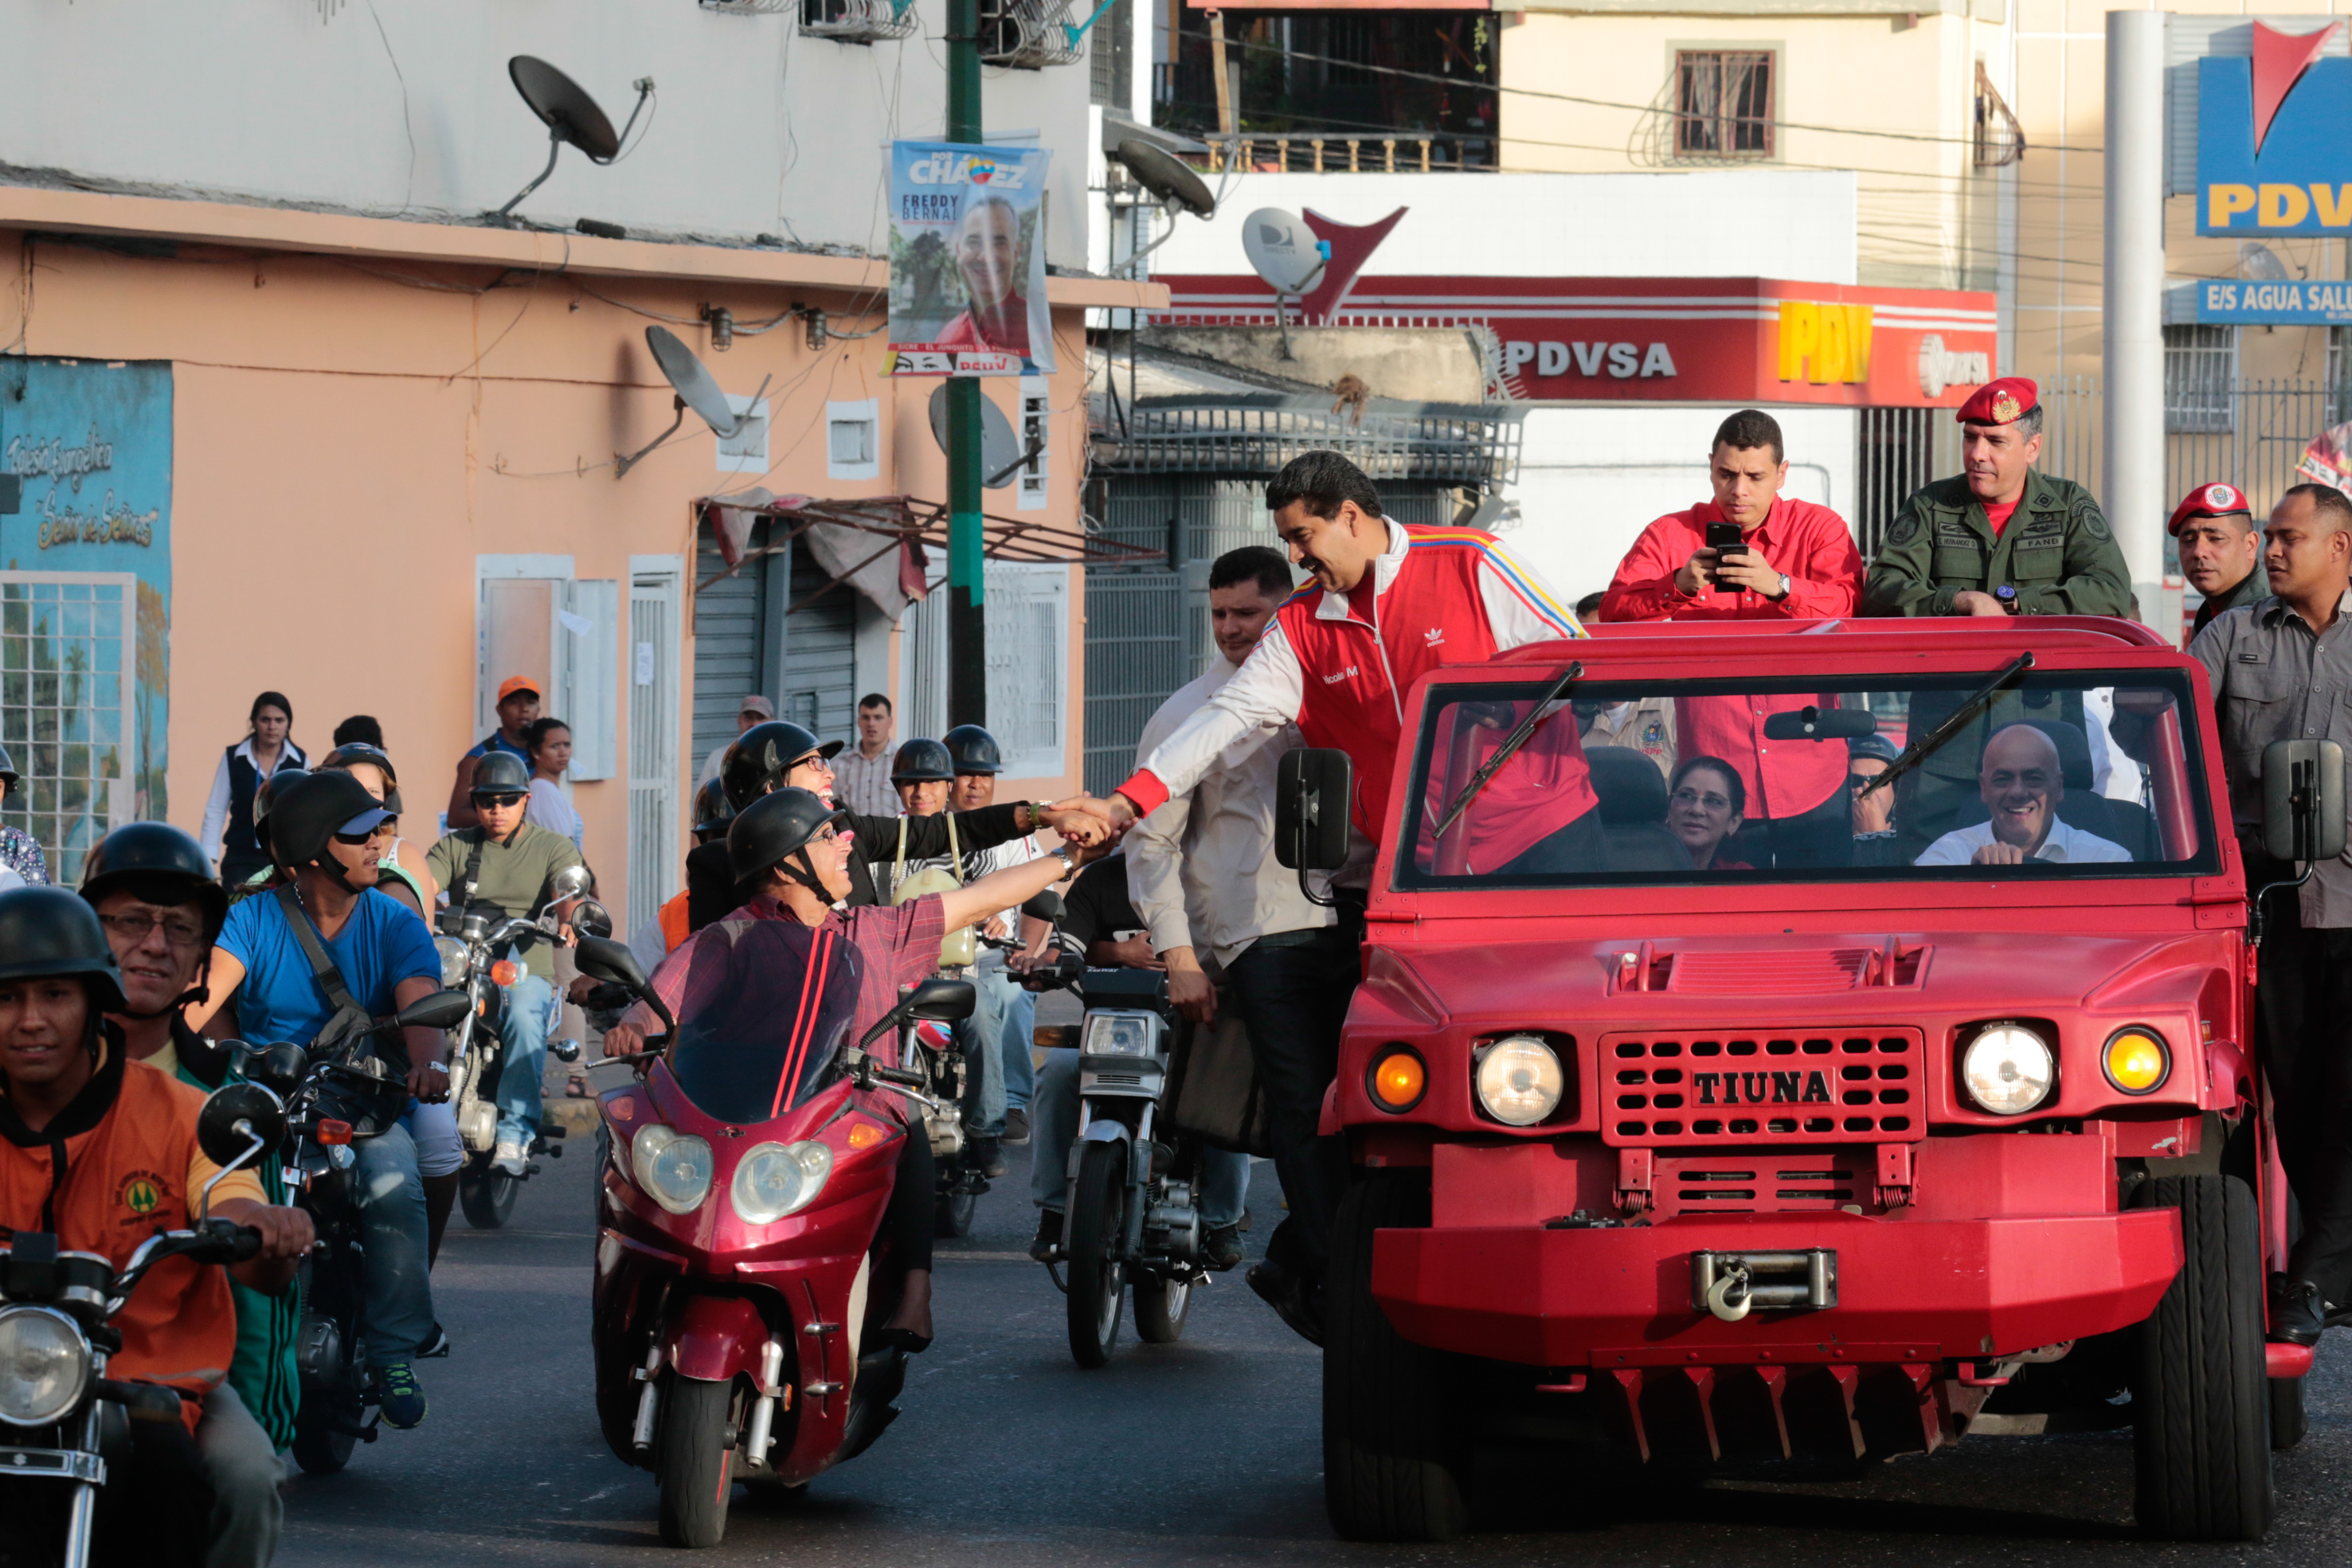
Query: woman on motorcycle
[{"x": 787, "y": 850}]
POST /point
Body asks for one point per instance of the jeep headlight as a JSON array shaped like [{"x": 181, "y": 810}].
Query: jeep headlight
[
  {"x": 44, "y": 1365},
  {"x": 777, "y": 1179},
  {"x": 2008, "y": 1068},
  {"x": 673, "y": 1168},
  {"x": 453, "y": 961},
  {"x": 1519, "y": 1080},
  {"x": 1120, "y": 1034}
]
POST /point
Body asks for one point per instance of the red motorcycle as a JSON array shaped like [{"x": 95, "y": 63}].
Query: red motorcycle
[{"x": 744, "y": 1267}]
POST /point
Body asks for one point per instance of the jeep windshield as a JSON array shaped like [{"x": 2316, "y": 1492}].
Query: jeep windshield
[{"x": 2065, "y": 774}]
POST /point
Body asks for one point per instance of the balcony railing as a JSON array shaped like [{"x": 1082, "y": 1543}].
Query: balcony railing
[{"x": 1347, "y": 153}]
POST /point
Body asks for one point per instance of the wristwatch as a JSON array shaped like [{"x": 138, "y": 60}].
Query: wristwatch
[
  {"x": 1785, "y": 586},
  {"x": 1069, "y": 859}
]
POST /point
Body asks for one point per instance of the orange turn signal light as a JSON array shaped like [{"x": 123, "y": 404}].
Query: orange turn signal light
[
  {"x": 2136, "y": 1061},
  {"x": 864, "y": 1134},
  {"x": 505, "y": 972},
  {"x": 333, "y": 1132},
  {"x": 1398, "y": 1080}
]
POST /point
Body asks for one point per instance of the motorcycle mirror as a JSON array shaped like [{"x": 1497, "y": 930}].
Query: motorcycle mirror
[
  {"x": 1046, "y": 906},
  {"x": 277, "y": 1068},
  {"x": 1811, "y": 722},
  {"x": 942, "y": 1001},
  {"x": 238, "y": 1121},
  {"x": 442, "y": 1009},
  {"x": 602, "y": 958},
  {"x": 568, "y": 883},
  {"x": 591, "y": 919}
]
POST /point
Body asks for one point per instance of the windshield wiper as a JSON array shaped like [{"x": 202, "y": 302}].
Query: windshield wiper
[
  {"x": 1916, "y": 752},
  {"x": 1511, "y": 744}
]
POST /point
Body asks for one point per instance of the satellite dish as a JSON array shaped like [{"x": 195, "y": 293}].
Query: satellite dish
[
  {"x": 1283, "y": 250},
  {"x": 569, "y": 115},
  {"x": 1166, "y": 176},
  {"x": 1000, "y": 456},
  {"x": 2258, "y": 261},
  {"x": 695, "y": 389}
]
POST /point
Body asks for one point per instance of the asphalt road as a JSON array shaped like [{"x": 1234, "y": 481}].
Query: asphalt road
[{"x": 1203, "y": 1452}]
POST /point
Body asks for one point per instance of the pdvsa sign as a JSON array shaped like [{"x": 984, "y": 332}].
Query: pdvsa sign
[{"x": 2274, "y": 138}]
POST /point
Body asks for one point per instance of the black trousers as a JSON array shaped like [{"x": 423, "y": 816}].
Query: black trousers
[
  {"x": 1808, "y": 840},
  {"x": 913, "y": 1198},
  {"x": 1292, "y": 992},
  {"x": 2303, "y": 991}
]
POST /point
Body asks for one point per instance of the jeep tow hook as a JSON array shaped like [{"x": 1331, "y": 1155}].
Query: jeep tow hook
[{"x": 1729, "y": 1298}]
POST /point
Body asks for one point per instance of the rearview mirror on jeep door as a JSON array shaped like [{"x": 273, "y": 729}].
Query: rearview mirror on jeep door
[
  {"x": 2302, "y": 799},
  {"x": 1310, "y": 809}
]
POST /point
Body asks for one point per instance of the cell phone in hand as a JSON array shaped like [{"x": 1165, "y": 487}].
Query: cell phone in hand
[{"x": 1724, "y": 539}]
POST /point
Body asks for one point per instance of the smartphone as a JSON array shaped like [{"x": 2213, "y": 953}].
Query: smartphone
[{"x": 1724, "y": 538}]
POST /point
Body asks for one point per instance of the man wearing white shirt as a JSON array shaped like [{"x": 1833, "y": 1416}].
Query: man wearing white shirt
[
  {"x": 861, "y": 775},
  {"x": 1202, "y": 873},
  {"x": 2021, "y": 783}
]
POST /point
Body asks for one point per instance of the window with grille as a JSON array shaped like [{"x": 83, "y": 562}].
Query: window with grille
[
  {"x": 2200, "y": 370},
  {"x": 1110, "y": 56},
  {"x": 69, "y": 680},
  {"x": 1723, "y": 104}
]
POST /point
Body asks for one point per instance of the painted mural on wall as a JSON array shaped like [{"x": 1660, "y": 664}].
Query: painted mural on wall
[{"x": 85, "y": 596}]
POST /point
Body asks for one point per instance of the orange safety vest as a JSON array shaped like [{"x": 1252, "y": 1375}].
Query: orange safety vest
[
  {"x": 131, "y": 1168},
  {"x": 673, "y": 928}
]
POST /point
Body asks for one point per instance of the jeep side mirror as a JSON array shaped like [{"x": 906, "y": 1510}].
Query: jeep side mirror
[
  {"x": 2302, "y": 799},
  {"x": 1313, "y": 786},
  {"x": 442, "y": 1009},
  {"x": 1811, "y": 722}
]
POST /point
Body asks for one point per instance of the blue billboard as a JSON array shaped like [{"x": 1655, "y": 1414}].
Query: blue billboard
[{"x": 2275, "y": 141}]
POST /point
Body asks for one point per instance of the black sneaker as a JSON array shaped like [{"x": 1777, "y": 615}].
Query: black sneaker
[
  {"x": 437, "y": 1343},
  {"x": 1220, "y": 1248},
  {"x": 1016, "y": 1126},
  {"x": 984, "y": 1156},
  {"x": 2297, "y": 1312},
  {"x": 1290, "y": 1296},
  {"x": 1048, "y": 1239}
]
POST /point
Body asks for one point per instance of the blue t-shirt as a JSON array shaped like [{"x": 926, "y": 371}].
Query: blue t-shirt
[
  {"x": 382, "y": 943},
  {"x": 497, "y": 741}
]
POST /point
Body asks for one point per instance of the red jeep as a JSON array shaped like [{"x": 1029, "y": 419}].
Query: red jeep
[{"x": 1847, "y": 1142}]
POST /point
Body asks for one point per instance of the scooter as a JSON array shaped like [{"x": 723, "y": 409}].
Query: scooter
[
  {"x": 741, "y": 1259},
  {"x": 472, "y": 947},
  {"x": 54, "y": 1309}
]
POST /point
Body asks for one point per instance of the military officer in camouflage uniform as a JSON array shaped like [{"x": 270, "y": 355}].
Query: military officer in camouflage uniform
[
  {"x": 1998, "y": 539},
  {"x": 2001, "y": 539},
  {"x": 2220, "y": 551}
]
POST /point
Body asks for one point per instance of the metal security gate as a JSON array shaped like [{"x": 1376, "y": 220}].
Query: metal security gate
[
  {"x": 731, "y": 614},
  {"x": 654, "y": 776},
  {"x": 69, "y": 691},
  {"x": 820, "y": 653}
]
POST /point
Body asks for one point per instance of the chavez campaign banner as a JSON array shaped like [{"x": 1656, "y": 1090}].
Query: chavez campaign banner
[{"x": 968, "y": 261}]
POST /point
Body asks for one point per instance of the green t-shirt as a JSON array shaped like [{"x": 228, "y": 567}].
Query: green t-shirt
[{"x": 514, "y": 876}]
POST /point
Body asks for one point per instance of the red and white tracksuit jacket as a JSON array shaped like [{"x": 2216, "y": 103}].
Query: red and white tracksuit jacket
[{"x": 1440, "y": 596}]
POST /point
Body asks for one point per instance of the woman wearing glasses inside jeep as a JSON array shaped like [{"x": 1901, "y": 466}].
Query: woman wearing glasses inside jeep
[{"x": 1705, "y": 804}]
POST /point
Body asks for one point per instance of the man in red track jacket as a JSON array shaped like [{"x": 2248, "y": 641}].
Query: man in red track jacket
[
  {"x": 1387, "y": 604},
  {"x": 1799, "y": 563}
]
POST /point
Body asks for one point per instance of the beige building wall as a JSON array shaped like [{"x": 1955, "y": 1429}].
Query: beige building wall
[{"x": 1885, "y": 91}]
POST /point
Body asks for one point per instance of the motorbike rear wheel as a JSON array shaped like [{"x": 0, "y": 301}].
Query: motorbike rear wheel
[
  {"x": 1160, "y": 1306},
  {"x": 953, "y": 1221},
  {"x": 330, "y": 1409},
  {"x": 1092, "y": 1238},
  {"x": 694, "y": 1453},
  {"x": 487, "y": 1194}
]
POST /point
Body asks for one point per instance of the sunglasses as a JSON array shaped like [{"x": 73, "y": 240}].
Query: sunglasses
[{"x": 500, "y": 801}]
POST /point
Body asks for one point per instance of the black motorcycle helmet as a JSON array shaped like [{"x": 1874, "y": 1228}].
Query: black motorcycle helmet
[
  {"x": 713, "y": 810},
  {"x": 922, "y": 762},
  {"x": 266, "y": 794},
  {"x": 159, "y": 864},
  {"x": 498, "y": 773},
  {"x": 973, "y": 750},
  {"x": 773, "y": 832},
  {"x": 344, "y": 755},
  {"x": 312, "y": 811},
  {"x": 763, "y": 755},
  {"x": 50, "y": 931}
]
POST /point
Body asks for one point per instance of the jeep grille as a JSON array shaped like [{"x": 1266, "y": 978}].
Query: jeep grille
[{"x": 1825, "y": 1087}]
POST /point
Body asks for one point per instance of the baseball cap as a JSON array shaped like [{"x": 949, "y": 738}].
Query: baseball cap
[
  {"x": 754, "y": 703},
  {"x": 2207, "y": 501},
  {"x": 514, "y": 683}
]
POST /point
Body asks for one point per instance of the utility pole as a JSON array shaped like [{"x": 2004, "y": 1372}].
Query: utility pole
[
  {"x": 2133, "y": 494},
  {"x": 967, "y": 624}
]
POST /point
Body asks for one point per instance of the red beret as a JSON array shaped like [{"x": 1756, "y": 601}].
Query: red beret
[
  {"x": 2004, "y": 402},
  {"x": 2207, "y": 501}
]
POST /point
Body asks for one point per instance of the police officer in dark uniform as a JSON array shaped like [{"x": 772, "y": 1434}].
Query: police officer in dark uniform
[
  {"x": 2000, "y": 538},
  {"x": 2220, "y": 550}
]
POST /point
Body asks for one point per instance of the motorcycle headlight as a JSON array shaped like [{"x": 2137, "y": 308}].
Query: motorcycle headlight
[
  {"x": 777, "y": 1179},
  {"x": 2008, "y": 1068},
  {"x": 453, "y": 961},
  {"x": 1519, "y": 1080},
  {"x": 673, "y": 1168},
  {"x": 44, "y": 1365},
  {"x": 1120, "y": 1034}
]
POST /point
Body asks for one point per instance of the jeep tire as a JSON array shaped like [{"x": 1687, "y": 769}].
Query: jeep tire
[
  {"x": 1396, "y": 1456},
  {"x": 2200, "y": 1396}
]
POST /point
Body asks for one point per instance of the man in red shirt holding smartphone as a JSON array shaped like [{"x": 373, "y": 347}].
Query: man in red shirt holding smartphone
[{"x": 1753, "y": 554}]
